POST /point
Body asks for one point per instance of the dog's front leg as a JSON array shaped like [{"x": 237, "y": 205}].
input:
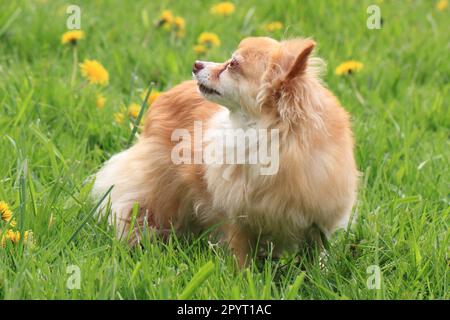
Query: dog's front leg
[{"x": 240, "y": 242}]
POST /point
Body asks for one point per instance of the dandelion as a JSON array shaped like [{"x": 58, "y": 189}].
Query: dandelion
[
  {"x": 169, "y": 22},
  {"x": 94, "y": 72},
  {"x": 100, "y": 102},
  {"x": 118, "y": 117},
  {"x": 273, "y": 26},
  {"x": 179, "y": 25},
  {"x": 151, "y": 98},
  {"x": 133, "y": 110},
  {"x": 222, "y": 9},
  {"x": 10, "y": 235},
  {"x": 349, "y": 67},
  {"x": 72, "y": 37},
  {"x": 209, "y": 39},
  {"x": 14, "y": 237},
  {"x": 5, "y": 212},
  {"x": 200, "y": 49},
  {"x": 441, "y": 5},
  {"x": 166, "y": 19},
  {"x": 28, "y": 236}
]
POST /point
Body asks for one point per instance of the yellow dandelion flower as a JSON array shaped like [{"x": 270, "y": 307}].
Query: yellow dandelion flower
[
  {"x": 133, "y": 110},
  {"x": 200, "y": 49},
  {"x": 209, "y": 39},
  {"x": 119, "y": 117},
  {"x": 14, "y": 237},
  {"x": 28, "y": 236},
  {"x": 72, "y": 37},
  {"x": 222, "y": 9},
  {"x": 10, "y": 235},
  {"x": 13, "y": 223},
  {"x": 349, "y": 67},
  {"x": 94, "y": 72},
  {"x": 100, "y": 102},
  {"x": 166, "y": 18},
  {"x": 5, "y": 212},
  {"x": 151, "y": 98},
  {"x": 273, "y": 26},
  {"x": 179, "y": 25},
  {"x": 441, "y": 5}
]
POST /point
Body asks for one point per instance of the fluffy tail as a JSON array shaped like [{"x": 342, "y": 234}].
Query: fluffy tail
[{"x": 124, "y": 171}]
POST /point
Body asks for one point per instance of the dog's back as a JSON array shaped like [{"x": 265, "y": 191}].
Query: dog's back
[{"x": 146, "y": 175}]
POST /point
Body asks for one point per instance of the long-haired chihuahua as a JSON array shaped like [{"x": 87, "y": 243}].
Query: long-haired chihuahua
[{"x": 256, "y": 145}]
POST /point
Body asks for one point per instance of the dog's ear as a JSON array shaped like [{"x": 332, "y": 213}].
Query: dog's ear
[
  {"x": 289, "y": 78},
  {"x": 287, "y": 70},
  {"x": 299, "y": 66}
]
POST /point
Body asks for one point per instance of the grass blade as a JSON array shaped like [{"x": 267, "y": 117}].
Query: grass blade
[
  {"x": 89, "y": 215},
  {"x": 197, "y": 280},
  {"x": 139, "y": 117},
  {"x": 23, "y": 195},
  {"x": 251, "y": 285},
  {"x": 133, "y": 220},
  {"x": 10, "y": 21},
  {"x": 292, "y": 293}
]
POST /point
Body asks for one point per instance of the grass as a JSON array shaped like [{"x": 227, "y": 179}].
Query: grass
[{"x": 52, "y": 137}]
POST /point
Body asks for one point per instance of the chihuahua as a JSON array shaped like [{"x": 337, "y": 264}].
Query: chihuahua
[{"x": 186, "y": 174}]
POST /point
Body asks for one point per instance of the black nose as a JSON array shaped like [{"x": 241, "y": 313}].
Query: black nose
[{"x": 197, "y": 67}]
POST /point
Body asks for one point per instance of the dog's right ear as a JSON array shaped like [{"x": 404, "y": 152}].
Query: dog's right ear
[{"x": 301, "y": 62}]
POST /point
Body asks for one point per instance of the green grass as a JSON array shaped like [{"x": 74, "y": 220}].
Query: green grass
[{"x": 52, "y": 137}]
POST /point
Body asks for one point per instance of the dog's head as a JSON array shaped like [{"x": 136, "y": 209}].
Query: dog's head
[{"x": 261, "y": 72}]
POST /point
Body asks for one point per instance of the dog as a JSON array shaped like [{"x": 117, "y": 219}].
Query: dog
[{"x": 266, "y": 85}]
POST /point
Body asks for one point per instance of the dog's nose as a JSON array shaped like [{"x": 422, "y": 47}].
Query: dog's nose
[{"x": 197, "y": 67}]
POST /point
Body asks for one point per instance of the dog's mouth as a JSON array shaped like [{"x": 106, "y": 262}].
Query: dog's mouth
[{"x": 206, "y": 90}]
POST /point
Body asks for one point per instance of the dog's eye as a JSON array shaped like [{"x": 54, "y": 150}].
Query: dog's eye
[{"x": 233, "y": 63}]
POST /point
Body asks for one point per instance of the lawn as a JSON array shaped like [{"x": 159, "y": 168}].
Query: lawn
[{"x": 53, "y": 136}]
